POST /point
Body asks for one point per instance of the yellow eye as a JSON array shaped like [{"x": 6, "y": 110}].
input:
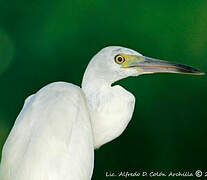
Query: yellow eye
[{"x": 119, "y": 59}]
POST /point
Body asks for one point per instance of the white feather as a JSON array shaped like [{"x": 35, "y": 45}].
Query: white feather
[
  {"x": 55, "y": 134},
  {"x": 49, "y": 137}
]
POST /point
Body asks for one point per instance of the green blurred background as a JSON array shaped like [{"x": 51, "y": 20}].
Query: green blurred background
[{"x": 42, "y": 41}]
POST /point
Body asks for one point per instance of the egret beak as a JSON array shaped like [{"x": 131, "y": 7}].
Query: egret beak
[{"x": 149, "y": 65}]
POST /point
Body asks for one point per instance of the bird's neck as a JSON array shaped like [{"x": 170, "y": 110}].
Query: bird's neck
[
  {"x": 93, "y": 87},
  {"x": 94, "y": 84},
  {"x": 110, "y": 108}
]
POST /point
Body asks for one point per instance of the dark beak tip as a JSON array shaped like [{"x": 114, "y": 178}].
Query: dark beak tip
[
  {"x": 189, "y": 70},
  {"x": 197, "y": 72},
  {"x": 200, "y": 73}
]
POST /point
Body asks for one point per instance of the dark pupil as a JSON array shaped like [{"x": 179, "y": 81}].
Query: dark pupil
[{"x": 120, "y": 59}]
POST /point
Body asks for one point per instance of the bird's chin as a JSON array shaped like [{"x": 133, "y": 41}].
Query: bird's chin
[{"x": 135, "y": 74}]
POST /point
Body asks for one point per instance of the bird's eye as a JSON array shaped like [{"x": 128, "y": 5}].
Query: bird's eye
[{"x": 119, "y": 59}]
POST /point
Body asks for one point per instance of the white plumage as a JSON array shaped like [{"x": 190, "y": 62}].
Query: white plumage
[
  {"x": 50, "y": 141},
  {"x": 56, "y": 132}
]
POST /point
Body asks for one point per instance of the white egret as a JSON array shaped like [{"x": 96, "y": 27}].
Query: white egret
[{"x": 58, "y": 128}]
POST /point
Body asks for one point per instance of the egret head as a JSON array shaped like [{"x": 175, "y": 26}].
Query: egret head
[
  {"x": 111, "y": 107},
  {"x": 114, "y": 63}
]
